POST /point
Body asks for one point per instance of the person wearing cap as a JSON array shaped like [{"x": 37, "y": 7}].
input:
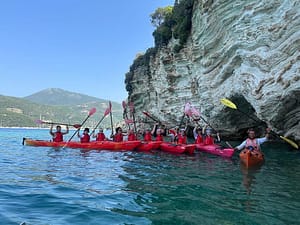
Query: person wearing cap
[
  {"x": 157, "y": 133},
  {"x": 85, "y": 137},
  {"x": 208, "y": 138},
  {"x": 100, "y": 136},
  {"x": 181, "y": 137},
  {"x": 57, "y": 136}
]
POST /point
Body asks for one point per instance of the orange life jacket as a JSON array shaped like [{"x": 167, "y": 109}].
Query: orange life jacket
[{"x": 252, "y": 144}]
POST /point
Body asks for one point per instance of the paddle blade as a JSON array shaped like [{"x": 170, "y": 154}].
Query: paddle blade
[
  {"x": 77, "y": 126},
  {"x": 187, "y": 109},
  {"x": 124, "y": 104},
  {"x": 195, "y": 112},
  {"x": 39, "y": 121},
  {"x": 228, "y": 103},
  {"x": 92, "y": 111},
  {"x": 131, "y": 107},
  {"x": 290, "y": 142},
  {"x": 107, "y": 111},
  {"x": 146, "y": 113},
  {"x": 128, "y": 121}
]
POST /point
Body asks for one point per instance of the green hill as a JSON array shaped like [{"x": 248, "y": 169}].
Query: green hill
[
  {"x": 57, "y": 96},
  {"x": 20, "y": 112}
]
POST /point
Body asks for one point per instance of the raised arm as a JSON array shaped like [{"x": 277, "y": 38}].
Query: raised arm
[
  {"x": 67, "y": 130},
  {"x": 51, "y": 130}
]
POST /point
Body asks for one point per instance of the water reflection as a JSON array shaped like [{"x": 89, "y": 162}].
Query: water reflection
[{"x": 249, "y": 176}]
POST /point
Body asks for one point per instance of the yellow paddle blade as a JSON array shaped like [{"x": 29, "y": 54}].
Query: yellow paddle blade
[
  {"x": 289, "y": 141},
  {"x": 228, "y": 103}
]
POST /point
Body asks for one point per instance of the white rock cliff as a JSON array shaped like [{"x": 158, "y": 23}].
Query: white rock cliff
[{"x": 246, "y": 51}]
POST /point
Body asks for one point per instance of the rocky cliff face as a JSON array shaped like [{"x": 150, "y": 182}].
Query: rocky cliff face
[{"x": 246, "y": 51}]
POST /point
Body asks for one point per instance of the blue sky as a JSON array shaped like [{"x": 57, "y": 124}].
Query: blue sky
[{"x": 84, "y": 46}]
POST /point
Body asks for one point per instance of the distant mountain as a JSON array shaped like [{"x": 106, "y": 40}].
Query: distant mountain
[
  {"x": 70, "y": 108},
  {"x": 57, "y": 96}
]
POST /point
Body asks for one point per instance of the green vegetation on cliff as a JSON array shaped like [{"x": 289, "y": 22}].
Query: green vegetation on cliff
[{"x": 170, "y": 22}]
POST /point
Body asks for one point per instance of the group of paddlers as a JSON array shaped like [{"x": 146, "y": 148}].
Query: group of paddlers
[{"x": 158, "y": 133}]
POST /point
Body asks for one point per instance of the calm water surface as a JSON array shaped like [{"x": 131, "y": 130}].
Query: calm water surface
[{"x": 51, "y": 186}]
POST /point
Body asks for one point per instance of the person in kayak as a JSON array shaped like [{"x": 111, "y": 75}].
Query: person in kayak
[
  {"x": 181, "y": 137},
  {"x": 147, "y": 135},
  {"x": 57, "y": 136},
  {"x": 85, "y": 137},
  {"x": 198, "y": 135},
  {"x": 100, "y": 136},
  {"x": 173, "y": 133},
  {"x": 208, "y": 137},
  {"x": 252, "y": 143},
  {"x": 131, "y": 135},
  {"x": 118, "y": 136},
  {"x": 157, "y": 132}
]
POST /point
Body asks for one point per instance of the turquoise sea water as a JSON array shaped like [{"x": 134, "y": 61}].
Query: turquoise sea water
[{"x": 41, "y": 186}]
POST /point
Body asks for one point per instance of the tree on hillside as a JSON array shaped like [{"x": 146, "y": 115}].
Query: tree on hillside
[{"x": 160, "y": 14}]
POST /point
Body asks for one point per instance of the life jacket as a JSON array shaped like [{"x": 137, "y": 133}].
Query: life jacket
[
  {"x": 209, "y": 140},
  {"x": 58, "y": 137},
  {"x": 181, "y": 139},
  {"x": 252, "y": 144},
  {"x": 147, "y": 136},
  {"x": 199, "y": 139},
  {"x": 159, "y": 138},
  {"x": 100, "y": 137},
  {"x": 118, "y": 137},
  {"x": 131, "y": 137},
  {"x": 85, "y": 138}
]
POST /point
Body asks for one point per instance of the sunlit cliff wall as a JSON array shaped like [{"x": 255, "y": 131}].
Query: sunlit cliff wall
[{"x": 246, "y": 51}]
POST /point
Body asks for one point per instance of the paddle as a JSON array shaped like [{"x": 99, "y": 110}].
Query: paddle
[
  {"x": 125, "y": 116},
  {"x": 65, "y": 124},
  {"x": 151, "y": 117},
  {"x": 192, "y": 111},
  {"x": 131, "y": 107},
  {"x": 230, "y": 104},
  {"x": 111, "y": 121},
  {"x": 91, "y": 112},
  {"x": 107, "y": 111}
]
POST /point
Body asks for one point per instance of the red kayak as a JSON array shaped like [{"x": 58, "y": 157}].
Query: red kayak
[
  {"x": 251, "y": 158},
  {"x": 99, "y": 145},
  {"x": 148, "y": 145},
  {"x": 215, "y": 150},
  {"x": 177, "y": 148}
]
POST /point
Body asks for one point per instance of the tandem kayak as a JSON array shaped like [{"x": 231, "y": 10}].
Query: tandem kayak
[
  {"x": 148, "y": 146},
  {"x": 177, "y": 148},
  {"x": 250, "y": 158},
  {"x": 215, "y": 150},
  {"x": 98, "y": 145}
]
